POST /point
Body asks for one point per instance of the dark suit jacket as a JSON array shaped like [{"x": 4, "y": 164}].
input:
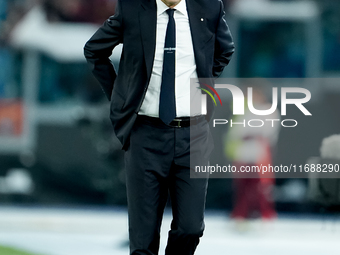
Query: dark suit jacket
[{"x": 134, "y": 25}]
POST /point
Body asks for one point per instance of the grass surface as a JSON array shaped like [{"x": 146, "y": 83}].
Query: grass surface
[{"x": 4, "y": 250}]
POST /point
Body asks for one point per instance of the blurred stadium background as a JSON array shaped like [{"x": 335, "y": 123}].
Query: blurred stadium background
[{"x": 56, "y": 144}]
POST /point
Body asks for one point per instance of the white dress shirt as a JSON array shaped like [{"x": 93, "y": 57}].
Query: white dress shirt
[{"x": 185, "y": 63}]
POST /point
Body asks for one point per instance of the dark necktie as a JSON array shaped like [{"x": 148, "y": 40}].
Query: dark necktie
[{"x": 167, "y": 104}]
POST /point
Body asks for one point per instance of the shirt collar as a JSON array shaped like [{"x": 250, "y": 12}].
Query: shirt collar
[{"x": 180, "y": 7}]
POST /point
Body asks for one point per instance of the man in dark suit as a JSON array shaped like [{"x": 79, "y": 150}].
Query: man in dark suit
[{"x": 165, "y": 44}]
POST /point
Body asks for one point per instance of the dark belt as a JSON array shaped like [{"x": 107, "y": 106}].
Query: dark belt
[{"x": 177, "y": 122}]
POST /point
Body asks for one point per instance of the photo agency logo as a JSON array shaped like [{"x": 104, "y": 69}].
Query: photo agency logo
[{"x": 246, "y": 106}]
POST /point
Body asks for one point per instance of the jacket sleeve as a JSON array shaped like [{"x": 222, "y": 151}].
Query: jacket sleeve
[
  {"x": 99, "y": 48},
  {"x": 224, "y": 45}
]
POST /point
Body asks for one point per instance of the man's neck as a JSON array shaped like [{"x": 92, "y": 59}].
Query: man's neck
[{"x": 171, "y": 3}]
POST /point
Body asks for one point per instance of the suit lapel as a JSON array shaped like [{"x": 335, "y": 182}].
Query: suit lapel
[
  {"x": 197, "y": 23},
  {"x": 199, "y": 35},
  {"x": 148, "y": 25}
]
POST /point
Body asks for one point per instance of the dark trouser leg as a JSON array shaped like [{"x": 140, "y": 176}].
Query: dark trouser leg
[
  {"x": 188, "y": 194},
  {"x": 188, "y": 203},
  {"x": 147, "y": 161}
]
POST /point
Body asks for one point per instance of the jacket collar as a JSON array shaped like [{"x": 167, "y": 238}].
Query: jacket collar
[{"x": 148, "y": 26}]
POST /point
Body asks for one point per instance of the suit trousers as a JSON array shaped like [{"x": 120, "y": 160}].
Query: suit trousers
[{"x": 157, "y": 165}]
